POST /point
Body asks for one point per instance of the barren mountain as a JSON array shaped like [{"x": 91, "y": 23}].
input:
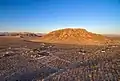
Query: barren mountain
[{"x": 75, "y": 36}]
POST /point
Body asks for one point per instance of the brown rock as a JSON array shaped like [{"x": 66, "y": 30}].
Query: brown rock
[{"x": 75, "y": 36}]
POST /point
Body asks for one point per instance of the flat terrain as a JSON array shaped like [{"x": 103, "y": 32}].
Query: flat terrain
[{"x": 21, "y": 60}]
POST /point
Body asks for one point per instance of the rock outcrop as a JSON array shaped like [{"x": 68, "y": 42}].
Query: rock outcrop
[{"x": 75, "y": 36}]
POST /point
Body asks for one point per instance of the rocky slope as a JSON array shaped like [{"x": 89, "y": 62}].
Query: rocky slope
[{"x": 75, "y": 36}]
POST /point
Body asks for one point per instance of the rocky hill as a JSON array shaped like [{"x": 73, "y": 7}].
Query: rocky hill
[{"x": 75, "y": 36}]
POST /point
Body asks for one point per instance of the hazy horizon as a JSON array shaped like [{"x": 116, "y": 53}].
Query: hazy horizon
[
  {"x": 18, "y": 31},
  {"x": 43, "y": 16}
]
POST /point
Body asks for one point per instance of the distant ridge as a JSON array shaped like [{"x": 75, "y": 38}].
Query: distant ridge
[
  {"x": 112, "y": 35},
  {"x": 75, "y": 36},
  {"x": 23, "y": 34}
]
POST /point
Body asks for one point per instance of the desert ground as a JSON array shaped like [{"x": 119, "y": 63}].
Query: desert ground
[{"x": 21, "y": 60}]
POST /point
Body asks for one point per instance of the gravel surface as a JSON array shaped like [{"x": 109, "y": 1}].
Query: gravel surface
[{"x": 27, "y": 61}]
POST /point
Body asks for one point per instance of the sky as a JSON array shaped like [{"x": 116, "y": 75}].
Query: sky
[{"x": 98, "y": 16}]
